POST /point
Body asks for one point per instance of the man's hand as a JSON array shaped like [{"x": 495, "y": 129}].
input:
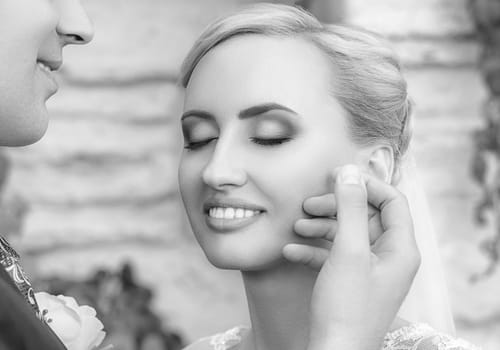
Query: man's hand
[{"x": 367, "y": 273}]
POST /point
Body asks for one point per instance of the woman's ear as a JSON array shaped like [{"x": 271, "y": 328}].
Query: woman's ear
[{"x": 381, "y": 163}]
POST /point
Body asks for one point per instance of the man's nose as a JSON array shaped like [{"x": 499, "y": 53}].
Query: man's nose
[{"x": 74, "y": 25}]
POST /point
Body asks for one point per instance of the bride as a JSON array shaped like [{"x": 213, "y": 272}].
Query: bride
[
  {"x": 274, "y": 102},
  {"x": 33, "y": 33}
]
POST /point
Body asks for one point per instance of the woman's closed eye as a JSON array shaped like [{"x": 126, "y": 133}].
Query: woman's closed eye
[
  {"x": 193, "y": 145},
  {"x": 198, "y": 133},
  {"x": 270, "y": 141},
  {"x": 272, "y": 132}
]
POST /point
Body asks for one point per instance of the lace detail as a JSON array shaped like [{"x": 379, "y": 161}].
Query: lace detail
[
  {"x": 228, "y": 339},
  {"x": 418, "y": 336}
]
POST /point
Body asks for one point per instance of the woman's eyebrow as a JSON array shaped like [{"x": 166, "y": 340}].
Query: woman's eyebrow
[
  {"x": 250, "y": 112},
  {"x": 197, "y": 113},
  {"x": 257, "y": 110}
]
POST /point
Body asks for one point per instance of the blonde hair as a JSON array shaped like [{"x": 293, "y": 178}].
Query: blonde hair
[{"x": 373, "y": 90}]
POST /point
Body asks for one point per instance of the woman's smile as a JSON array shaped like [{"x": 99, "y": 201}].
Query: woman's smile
[{"x": 226, "y": 215}]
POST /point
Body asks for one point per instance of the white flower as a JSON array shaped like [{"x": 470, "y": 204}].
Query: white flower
[{"x": 76, "y": 326}]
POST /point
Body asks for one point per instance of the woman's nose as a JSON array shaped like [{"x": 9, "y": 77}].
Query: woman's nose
[
  {"x": 222, "y": 172},
  {"x": 74, "y": 25}
]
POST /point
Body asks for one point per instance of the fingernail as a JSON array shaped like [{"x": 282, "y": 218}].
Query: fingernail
[{"x": 350, "y": 175}]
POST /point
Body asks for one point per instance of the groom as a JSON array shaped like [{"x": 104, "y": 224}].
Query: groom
[{"x": 32, "y": 36}]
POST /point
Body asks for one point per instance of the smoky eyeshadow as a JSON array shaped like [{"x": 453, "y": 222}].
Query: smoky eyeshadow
[
  {"x": 273, "y": 126},
  {"x": 197, "y": 129}
]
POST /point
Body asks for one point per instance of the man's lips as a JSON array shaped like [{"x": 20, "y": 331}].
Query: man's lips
[{"x": 52, "y": 65}]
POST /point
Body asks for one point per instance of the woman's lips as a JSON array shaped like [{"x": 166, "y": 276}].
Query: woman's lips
[
  {"x": 225, "y": 215},
  {"x": 229, "y": 213},
  {"x": 225, "y": 224}
]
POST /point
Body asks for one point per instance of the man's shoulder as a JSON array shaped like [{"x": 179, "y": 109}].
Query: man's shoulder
[{"x": 20, "y": 329}]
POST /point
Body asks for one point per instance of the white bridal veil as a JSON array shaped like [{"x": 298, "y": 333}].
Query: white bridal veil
[{"x": 427, "y": 300}]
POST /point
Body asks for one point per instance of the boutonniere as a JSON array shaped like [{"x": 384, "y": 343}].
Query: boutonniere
[{"x": 76, "y": 325}]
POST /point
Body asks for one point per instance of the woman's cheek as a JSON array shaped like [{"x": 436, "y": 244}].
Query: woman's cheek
[{"x": 188, "y": 178}]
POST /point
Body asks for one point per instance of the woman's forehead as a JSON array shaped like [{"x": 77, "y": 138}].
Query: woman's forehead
[{"x": 260, "y": 68}]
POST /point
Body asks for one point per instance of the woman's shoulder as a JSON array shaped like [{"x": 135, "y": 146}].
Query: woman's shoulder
[
  {"x": 419, "y": 336},
  {"x": 227, "y": 340}
]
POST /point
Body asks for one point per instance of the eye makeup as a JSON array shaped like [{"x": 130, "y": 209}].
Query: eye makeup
[
  {"x": 266, "y": 128},
  {"x": 198, "y": 132},
  {"x": 269, "y": 127},
  {"x": 272, "y": 129}
]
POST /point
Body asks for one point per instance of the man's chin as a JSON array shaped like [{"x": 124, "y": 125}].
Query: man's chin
[{"x": 23, "y": 135}]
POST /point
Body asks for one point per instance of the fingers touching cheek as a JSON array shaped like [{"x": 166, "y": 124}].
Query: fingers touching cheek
[
  {"x": 324, "y": 205},
  {"x": 313, "y": 257},
  {"x": 315, "y": 228}
]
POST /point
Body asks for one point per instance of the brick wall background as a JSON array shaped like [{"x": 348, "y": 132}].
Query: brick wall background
[{"x": 101, "y": 187}]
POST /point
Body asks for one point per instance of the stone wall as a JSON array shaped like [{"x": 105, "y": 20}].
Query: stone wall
[{"x": 101, "y": 186}]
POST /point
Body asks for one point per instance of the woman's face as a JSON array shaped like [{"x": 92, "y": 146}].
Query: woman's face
[
  {"x": 262, "y": 133},
  {"x": 32, "y": 35}
]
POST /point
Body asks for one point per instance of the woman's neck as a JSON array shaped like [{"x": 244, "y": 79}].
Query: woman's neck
[{"x": 279, "y": 301}]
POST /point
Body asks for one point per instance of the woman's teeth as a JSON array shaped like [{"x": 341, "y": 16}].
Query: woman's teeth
[
  {"x": 44, "y": 67},
  {"x": 231, "y": 213}
]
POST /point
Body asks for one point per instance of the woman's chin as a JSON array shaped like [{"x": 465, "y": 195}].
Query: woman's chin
[
  {"x": 247, "y": 249},
  {"x": 244, "y": 262}
]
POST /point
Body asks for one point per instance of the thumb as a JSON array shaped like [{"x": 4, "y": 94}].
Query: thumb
[{"x": 352, "y": 213}]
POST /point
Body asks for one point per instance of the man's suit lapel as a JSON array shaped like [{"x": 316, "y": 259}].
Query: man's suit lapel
[
  {"x": 20, "y": 329},
  {"x": 4, "y": 276}
]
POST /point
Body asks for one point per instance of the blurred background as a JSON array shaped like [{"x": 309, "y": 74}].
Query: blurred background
[{"x": 94, "y": 209}]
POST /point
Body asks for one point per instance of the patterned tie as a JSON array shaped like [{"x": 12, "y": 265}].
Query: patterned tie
[{"x": 9, "y": 259}]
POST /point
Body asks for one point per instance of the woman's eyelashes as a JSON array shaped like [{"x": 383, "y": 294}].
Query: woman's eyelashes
[
  {"x": 272, "y": 132},
  {"x": 270, "y": 141},
  {"x": 192, "y": 145},
  {"x": 198, "y": 133},
  {"x": 264, "y": 131}
]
